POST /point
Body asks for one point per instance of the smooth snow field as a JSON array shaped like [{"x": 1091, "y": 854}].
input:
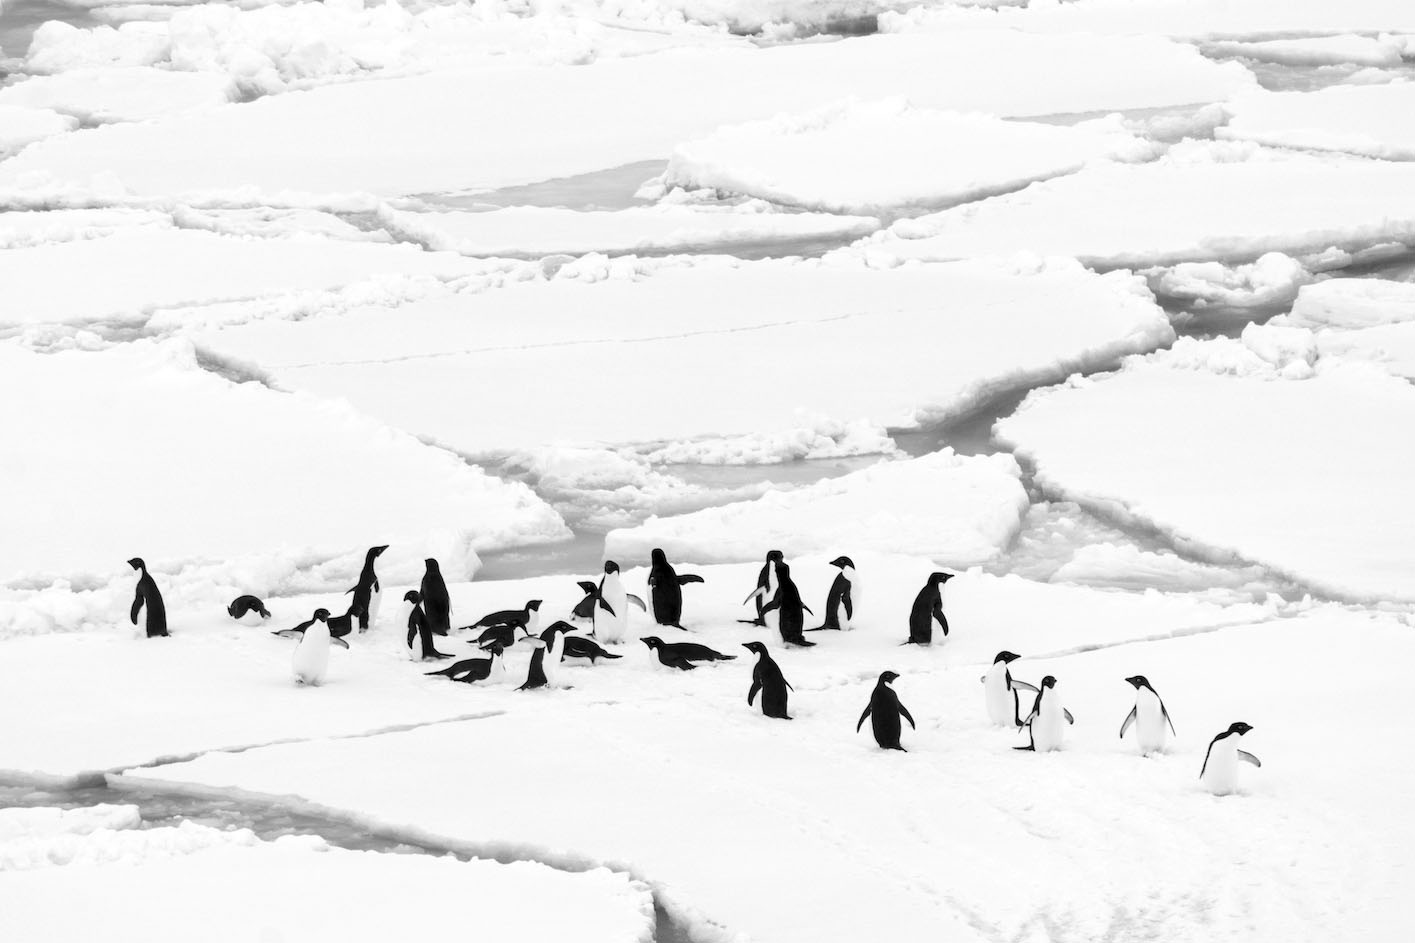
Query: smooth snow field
[{"x": 1078, "y": 334}]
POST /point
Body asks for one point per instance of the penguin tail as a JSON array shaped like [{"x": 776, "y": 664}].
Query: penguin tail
[
  {"x": 609, "y": 655},
  {"x": 445, "y": 673},
  {"x": 752, "y": 622}
]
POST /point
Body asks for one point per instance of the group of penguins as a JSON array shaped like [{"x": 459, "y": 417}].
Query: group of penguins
[{"x": 605, "y": 606}]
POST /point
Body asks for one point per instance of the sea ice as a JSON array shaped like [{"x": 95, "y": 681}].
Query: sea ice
[
  {"x": 103, "y": 95},
  {"x": 1371, "y": 120},
  {"x": 21, "y": 125}
]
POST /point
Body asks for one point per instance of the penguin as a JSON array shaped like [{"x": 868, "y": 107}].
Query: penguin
[
  {"x": 682, "y": 655},
  {"x": 609, "y": 605},
  {"x": 503, "y": 635},
  {"x": 666, "y": 590},
  {"x": 420, "y": 643},
  {"x": 767, "y": 678},
  {"x": 368, "y": 594},
  {"x": 884, "y": 711},
  {"x": 341, "y": 626},
  {"x": 790, "y": 609},
  {"x": 766, "y": 587},
  {"x": 1000, "y": 691},
  {"x": 1149, "y": 715},
  {"x": 527, "y": 618},
  {"x": 1046, "y": 724},
  {"x": 928, "y": 605},
  {"x": 554, "y": 639},
  {"x": 1219, "y": 774},
  {"x": 535, "y": 674},
  {"x": 577, "y": 646},
  {"x": 840, "y": 601},
  {"x": 437, "y": 605},
  {"x": 311, "y": 659},
  {"x": 472, "y": 670},
  {"x": 148, "y": 595},
  {"x": 584, "y": 609},
  {"x": 248, "y": 610}
]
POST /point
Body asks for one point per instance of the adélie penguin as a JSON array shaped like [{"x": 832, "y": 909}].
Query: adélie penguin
[
  {"x": 1219, "y": 774},
  {"x": 310, "y": 663},
  {"x": 768, "y": 679},
  {"x": 148, "y": 597},
  {"x": 420, "y": 641},
  {"x": 840, "y": 601},
  {"x": 1046, "y": 723},
  {"x": 682, "y": 655},
  {"x": 791, "y": 611},
  {"x": 248, "y": 610},
  {"x": 765, "y": 588},
  {"x": 928, "y": 608},
  {"x": 553, "y": 638},
  {"x": 368, "y": 594},
  {"x": 666, "y": 590},
  {"x": 437, "y": 605},
  {"x": 1000, "y": 691},
  {"x": 577, "y": 646},
  {"x": 884, "y": 711},
  {"x": 1150, "y": 717},
  {"x": 527, "y": 618},
  {"x": 472, "y": 670},
  {"x": 609, "y": 605}
]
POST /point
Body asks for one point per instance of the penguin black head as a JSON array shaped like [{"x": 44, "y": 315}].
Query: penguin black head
[
  {"x": 547, "y": 634},
  {"x": 652, "y": 641},
  {"x": 757, "y": 647},
  {"x": 431, "y": 563},
  {"x": 1139, "y": 681},
  {"x": 658, "y": 556},
  {"x": 1006, "y": 658},
  {"x": 413, "y": 596},
  {"x": 940, "y": 578},
  {"x": 610, "y": 566},
  {"x": 495, "y": 649},
  {"x": 843, "y": 562},
  {"x": 375, "y": 551},
  {"x": 321, "y": 614},
  {"x": 534, "y": 606},
  {"x": 887, "y": 677},
  {"x": 137, "y": 564},
  {"x": 776, "y": 555},
  {"x": 1239, "y": 728},
  {"x": 1049, "y": 682}
]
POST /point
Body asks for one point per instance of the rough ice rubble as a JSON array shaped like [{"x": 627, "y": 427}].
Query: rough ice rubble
[
  {"x": 25, "y": 823},
  {"x": 1231, "y": 202},
  {"x": 1383, "y": 50},
  {"x": 21, "y": 229},
  {"x": 958, "y": 511},
  {"x": 1371, "y": 120},
  {"x": 132, "y": 274},
  {"x": 1274, "y": 279},
  {"x": 1357, "y": 318},
  {"x": 425, "y": 134},
  {"x": 540, "y": 231},
  {"x": 869, "y": 157},
  {"x": 163, "y": 460},
  {"x": 303, "y": 889},
  {"x": 1227, "y": 456},
  {"x": 21, "y": 125},
  {"x": 100, "y": 96},
  {"x": 650, "y": 352}
]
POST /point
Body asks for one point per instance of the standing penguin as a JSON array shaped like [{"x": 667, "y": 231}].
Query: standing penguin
[
  {"x": 1046, "y": 724},
  {"x": 928, "y": 606},
  {"x": 768, "y": 679},
  {"x": 420, "y": 644},
  {"x": 148, "y": 596},
  {"x": 248, "y": 610},
  {"x": 666, "y": 590},
  {"x": 437, "y": 605},
  {"x": 368, "y": 595},
  {"x": 840, "y": 601},
  {"x": 791, "y": 611},
  {"x": 1000, "y": 691},
  {"x": 766, "y": 587},
  {"x": 610, "y": 606},
  {"x": 1149, "y": 716},
  {"x": 1219, "y": 774},
  {"x": 535, "y": 673},
  {"x": 311, "y": 660},
  {"x": 554, "y": 639},
  {"x": 884, "y": 711}
]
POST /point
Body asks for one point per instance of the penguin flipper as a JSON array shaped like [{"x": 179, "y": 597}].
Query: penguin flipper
[
  {"x": 904, "y": 712},
  {"x": 604, "y": 604},
  {"x": 757, "y": 686},
  {"x": 690, "y": 578},
  {"x": 788, "y": 684},
  {"x": 137, "y": 607},
  {"x": 1027, "y": 747},
  {"x": 1165, "y": 711},
  {"x": 1129, "y": 719},
  {"x": 636, "y": 601},
  {"x": 588, "y": 587},
  {"x": 1247, "y": 757},
  {"x": 861, "y": 722},
  {"x": 1069, "y": 719},
  {"x": 289, "y": 633},
  {"x": 338, "y": 641},
  {"x": 1024, "y": 686},
  {"x": 807, "y": 608},
  {"x": 755, "y": 594}
]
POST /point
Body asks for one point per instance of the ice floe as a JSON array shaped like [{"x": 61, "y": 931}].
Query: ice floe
[
  {"x": 21, "y": 125},
  {"x": 100, "y": 96},
  {"x": 1371, "y": 120}
]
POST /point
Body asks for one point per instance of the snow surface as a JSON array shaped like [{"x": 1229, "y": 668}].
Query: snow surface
[
  {"x": 635, "y": 351},
  {"x": 1225, "y": 455},
  {"x": 1229, "y": 202},
  {"x": 426, "y": 134},
  {"x": 956, "y": 510},
  {"x": 539, "y": 231},
  {"x": 280, "y": 463},
  {"x": 21, "y": 229},
  {"x": 1371, "y": 120},
  {"x": 868, "y": 157},
  {"x": 1274, "y": 279},
  {"x": 21, "y": 125},
  {"x": 302, "y": 889},
  {"x": 1354, "y": 303},
  {"x": 98, "y": 96},
  {"x": 1317, "y": 51}
]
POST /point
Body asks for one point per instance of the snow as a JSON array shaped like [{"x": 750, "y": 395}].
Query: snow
[
  {"x": 1227, "y": 202},
  {"x": 425, "y": 134},
  {"x": 1316, "y": 51},
  {"x": 102, "y": 95},
  {"x": 305, "y": 889},
  {"x": 25, "y": 228},
  {"x": 279, "y": 463},
  {"x": 956, "y": 510},
  {"x": 1226, "y": 456},
  {"x": 1354, "y": 303},
  {"x": 868, "y": 157},
  {"x": 635, "y": 351},
  {"x": 20, "y": 823},
  {"x": 1274, "y": 279},
  {"x": 1371, "y": 120},
  {"x": 20, "y": 125},
  {"x": 134, "y": 274},
  {"x": 539, "y": 231}
]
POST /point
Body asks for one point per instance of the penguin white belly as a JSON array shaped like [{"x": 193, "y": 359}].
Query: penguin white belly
[
  {"x": 251, "y": 617},
  {"x": 1151, "y": 731},
  {"x": 374, "y": 601},
  {"x": 612, "y": 628},
  {"x": 311, "y": 661},
  {"x": 846, "y": 620},
  {"x": 1049, "y": 727},
  {"x": 551, "y": 664},
  {"x": 1002, "y": 711},
  {"x": 1221, "y": 773}
]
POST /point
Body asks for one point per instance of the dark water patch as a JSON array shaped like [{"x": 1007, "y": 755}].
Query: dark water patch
[{"x": 20, "y": 18}]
